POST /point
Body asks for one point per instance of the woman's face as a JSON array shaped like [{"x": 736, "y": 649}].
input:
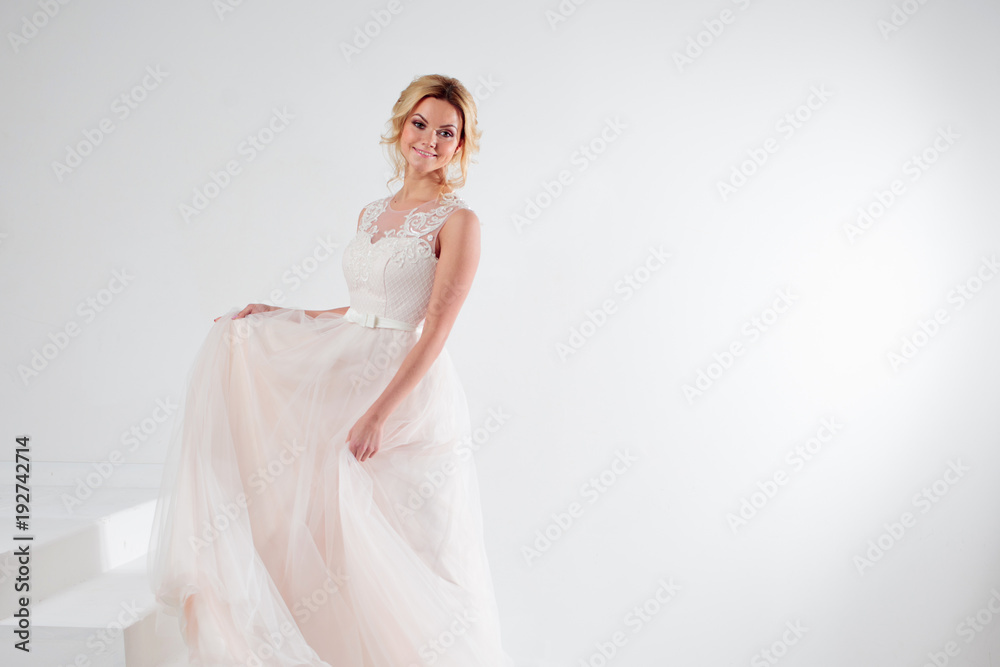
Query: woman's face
[{"x": 430, "y": 135}]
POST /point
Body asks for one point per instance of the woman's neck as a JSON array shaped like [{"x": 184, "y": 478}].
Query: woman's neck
[{"x": 410, "y": 192}]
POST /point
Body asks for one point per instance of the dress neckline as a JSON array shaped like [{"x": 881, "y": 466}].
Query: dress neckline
[
  {"x": 441, "y": 197},
  {"x": 407, "y": 210}
]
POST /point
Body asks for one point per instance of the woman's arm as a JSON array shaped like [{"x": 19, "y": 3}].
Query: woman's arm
[
  {"x": 263, "y": 307},
  {"x": 314, "y": 313},
  {"x": 456, "y": 268}
]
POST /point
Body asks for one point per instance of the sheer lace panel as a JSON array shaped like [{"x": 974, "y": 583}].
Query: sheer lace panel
[
  {"x": 380, "y": 220},
  {"x": 389, "y": 265}
]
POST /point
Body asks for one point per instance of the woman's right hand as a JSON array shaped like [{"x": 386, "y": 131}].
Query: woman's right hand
[{"x": 251, "y": 309}]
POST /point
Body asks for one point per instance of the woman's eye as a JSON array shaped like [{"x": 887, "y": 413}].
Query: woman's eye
[{"x": 419, "y": 125}]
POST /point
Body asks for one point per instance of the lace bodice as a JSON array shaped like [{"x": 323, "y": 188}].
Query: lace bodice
[{"x": 389, "y": 265}]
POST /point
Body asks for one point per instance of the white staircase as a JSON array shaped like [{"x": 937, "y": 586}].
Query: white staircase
[{"x": 90, "y": 603}]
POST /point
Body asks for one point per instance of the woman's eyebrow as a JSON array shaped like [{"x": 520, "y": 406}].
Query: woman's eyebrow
[{"x": 425, "y": 120}]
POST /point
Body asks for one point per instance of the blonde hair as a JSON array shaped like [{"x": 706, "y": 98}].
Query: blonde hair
[{"x": 443, "y": 88}]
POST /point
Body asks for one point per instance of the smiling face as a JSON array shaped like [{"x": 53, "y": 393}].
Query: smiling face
[{"x": 430, "y": 136}]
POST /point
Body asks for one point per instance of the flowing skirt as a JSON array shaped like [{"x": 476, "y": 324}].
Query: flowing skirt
[{"x": 275, "y": 546}]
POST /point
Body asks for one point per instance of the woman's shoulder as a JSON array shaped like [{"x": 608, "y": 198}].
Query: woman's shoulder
[
  {"x": 454, "y": 201},
  {"x": 456, "y": 208}
]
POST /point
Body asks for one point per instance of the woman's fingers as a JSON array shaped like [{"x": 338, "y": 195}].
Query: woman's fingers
[
  {"x": 250, "y": 310},
  {"x": 362, "y": 452}
]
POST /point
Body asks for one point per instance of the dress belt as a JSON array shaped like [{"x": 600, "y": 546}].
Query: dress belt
[{"x": 375, "y": 321}]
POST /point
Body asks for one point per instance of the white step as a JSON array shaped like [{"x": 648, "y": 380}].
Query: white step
[
  {"x": 90, "y": 600},
  {"x": 110, "y": 528},
  {"x": 107, "y": 621}
]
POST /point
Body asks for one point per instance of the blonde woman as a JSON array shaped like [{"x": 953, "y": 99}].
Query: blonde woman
[{"x": 319, "y": 503}]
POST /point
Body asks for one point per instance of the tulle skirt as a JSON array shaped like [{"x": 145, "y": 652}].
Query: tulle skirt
[{"x": 275, "y": 546}]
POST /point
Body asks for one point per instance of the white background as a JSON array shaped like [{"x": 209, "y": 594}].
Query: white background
[{"x": 547, "y": 88}]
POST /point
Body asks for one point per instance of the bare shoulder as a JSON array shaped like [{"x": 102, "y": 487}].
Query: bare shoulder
[
  {"x": 462, "y": 217},
  {"x": 462, "y": 225},
  {"x": 460, "y": 230}
]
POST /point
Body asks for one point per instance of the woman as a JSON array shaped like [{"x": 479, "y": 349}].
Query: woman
[{"x": 319, "y": 505}]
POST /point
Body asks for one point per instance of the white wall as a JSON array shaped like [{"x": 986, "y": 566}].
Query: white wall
[{"x": 671, "y": 134}]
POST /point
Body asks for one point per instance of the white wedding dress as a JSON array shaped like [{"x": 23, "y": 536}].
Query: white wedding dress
[{"x": 273, "y": 544}]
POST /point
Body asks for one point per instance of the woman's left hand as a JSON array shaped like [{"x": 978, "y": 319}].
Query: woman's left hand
[{"x": 365, "y": 437}]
